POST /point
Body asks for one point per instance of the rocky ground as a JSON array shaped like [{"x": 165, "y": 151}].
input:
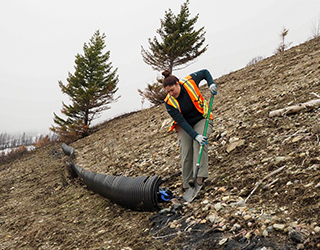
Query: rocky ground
[{"x": 263, "y": 190}]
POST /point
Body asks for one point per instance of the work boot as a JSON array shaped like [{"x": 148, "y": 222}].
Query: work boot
[
  {"x": 191, "y": 182},
  {"x": 200, "y": 181}
]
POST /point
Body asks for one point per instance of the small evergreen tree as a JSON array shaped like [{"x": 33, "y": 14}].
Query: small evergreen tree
[
  {"x": 180, "y": 44},
  {"x": 91, "y": 88}
]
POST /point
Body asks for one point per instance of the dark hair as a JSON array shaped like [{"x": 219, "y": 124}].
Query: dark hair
[{"x": 169, "y": 79}]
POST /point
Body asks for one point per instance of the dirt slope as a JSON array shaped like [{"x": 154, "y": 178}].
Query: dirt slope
[{"x": 42, "y": 208}]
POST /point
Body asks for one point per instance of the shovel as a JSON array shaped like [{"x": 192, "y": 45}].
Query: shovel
[{"x": 193, "y": 191}]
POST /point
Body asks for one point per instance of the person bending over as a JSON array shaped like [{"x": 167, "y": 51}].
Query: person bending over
[{"x": 186, "y": 105}]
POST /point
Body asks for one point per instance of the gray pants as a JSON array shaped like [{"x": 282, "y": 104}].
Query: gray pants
[{"x": 189, "y": 152}]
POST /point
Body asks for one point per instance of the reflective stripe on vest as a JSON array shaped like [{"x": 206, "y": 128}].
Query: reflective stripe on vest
[
  {"x": 196, "y": 97},
  {"x": 173, "y": 102}
]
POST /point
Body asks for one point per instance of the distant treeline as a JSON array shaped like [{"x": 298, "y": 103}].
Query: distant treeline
[{"x": 13, "y": 141}]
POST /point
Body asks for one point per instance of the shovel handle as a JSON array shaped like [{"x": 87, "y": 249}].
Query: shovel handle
[{"x": 204, "y": 134}]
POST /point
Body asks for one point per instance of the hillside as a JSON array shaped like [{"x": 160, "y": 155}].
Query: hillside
[{"x": 43, "y": 208}]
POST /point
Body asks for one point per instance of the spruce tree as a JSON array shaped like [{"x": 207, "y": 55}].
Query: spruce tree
[
  {"x": 91, "y": 89},
  {"x": 180, "y": 43}
]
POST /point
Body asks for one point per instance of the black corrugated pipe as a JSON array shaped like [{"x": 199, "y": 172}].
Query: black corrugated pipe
[{"x": 137, "y": 193}]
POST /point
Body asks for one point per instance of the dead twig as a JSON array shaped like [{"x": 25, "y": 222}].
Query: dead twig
[
  {"x": 295, "y": 134},
  {"x": 267, "y": 186},
  {"x": 168, "y": 224},
  {"x": 266, "y": 177}
]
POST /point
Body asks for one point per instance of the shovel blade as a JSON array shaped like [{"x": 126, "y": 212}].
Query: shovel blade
[{"x": 192, "y": 193}]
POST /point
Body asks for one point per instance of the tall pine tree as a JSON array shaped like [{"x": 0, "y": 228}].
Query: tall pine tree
[
  {"x": 91, "y": 89},
  {"x": 180, "y": 43}
]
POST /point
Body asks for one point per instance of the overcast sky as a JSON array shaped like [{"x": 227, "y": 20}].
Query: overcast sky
[{"x": 39, "y": 41}]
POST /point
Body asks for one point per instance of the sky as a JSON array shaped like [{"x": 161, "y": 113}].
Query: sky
[{"x": 40, "y": 39}]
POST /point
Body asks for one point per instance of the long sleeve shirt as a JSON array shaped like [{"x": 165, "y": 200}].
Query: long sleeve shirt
[{"x": 189, "y": 115}]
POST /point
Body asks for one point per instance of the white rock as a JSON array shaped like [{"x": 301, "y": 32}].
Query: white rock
[
  {"x": 239, "y": 203},
  {"x": 234, "y": 145},
  {"x": 223, "y": 241},
  {"x": 223, "y": 134},
  {"x": 247, "y": 217},
  {"x": 236, "y": 227},
  {"x": 233, "y": 139},
  {"x": 212, "y": 218},
  {"x": 279, "y": 226},
  {"x": 317, "y": 229},
  {"x": 265, "y": 233},
  {"x": 218, "y": 206},
  {"x": 205, "y": 202}
]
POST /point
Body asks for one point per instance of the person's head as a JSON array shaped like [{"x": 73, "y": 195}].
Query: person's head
[{"x": 171, "y": 84}]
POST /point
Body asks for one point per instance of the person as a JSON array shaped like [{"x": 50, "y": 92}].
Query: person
[{"x": 186, "y": 105}]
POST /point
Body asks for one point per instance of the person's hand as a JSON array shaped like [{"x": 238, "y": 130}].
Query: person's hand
[
  {"x": 201, "y": 139},
  {"x": 213, "y": 88}
]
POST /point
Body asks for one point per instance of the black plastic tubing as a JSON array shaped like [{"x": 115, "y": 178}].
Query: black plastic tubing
[{"x": 137, "y": 193}]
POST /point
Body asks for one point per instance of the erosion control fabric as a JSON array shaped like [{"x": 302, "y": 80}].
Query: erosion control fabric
[{"x": 137, "y": 193}]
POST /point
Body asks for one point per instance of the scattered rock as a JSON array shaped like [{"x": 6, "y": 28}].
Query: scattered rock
[
  {"x": 317, "y": 229},
  {"x": 269, "y": 229},
  {"x": 218, "y": 207},
  {"x": 247, "y": 217},
  {"x": 223, "y": 241},
  {"x": 279, "y": 227},
  {"x": 296, "y": 236},
  {"x": 213, "y": 218},
  {"x": 297, "y": 138},
  {"x": 300, "y": 247},
  {"x": 233, "y": 145},
  {"x": 236, "y": 227},
  {"x": 240, "y": 203},
  {"x": 165, "y": 210},
  {"x": 221, "y": 190}
]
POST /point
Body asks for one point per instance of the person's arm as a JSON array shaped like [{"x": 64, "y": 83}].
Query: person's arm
[
  {"x": 205, "y": 75},
  {"x": 200, "y": 75},
  {"x": 177, "y": 116}
]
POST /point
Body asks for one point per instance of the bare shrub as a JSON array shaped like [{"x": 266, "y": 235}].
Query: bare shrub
[
  {"x": 42, "y": 142},
  {"x": 13, "y": 154},
  {"x": 154, "y": 93},
  {"x": 282, "y": 46},
  {"x": 255, "y": 60},
  {"x": 315, "y": 30}
]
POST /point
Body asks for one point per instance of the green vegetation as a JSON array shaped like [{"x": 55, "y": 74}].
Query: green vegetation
[{"x": 91, "y": 88}]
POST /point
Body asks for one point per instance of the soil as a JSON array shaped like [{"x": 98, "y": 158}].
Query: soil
[{"x": 42, "y": 207}]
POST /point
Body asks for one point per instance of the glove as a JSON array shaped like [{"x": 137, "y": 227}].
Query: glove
[
  {"x": 201, "y": 139},
  {"x": 213, "y": 88}
]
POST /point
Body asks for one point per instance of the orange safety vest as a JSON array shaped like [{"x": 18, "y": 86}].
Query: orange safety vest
[{"x": 196, "y": 97}]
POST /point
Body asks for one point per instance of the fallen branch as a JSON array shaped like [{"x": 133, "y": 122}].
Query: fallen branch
[
  {"x": 296, "y": 108},
  {"x": 318, "y": 96},
  {"x": 266, "y": 177},
  {"x": 299, "y": 132},
  {"x": 267, "y": 186}
]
